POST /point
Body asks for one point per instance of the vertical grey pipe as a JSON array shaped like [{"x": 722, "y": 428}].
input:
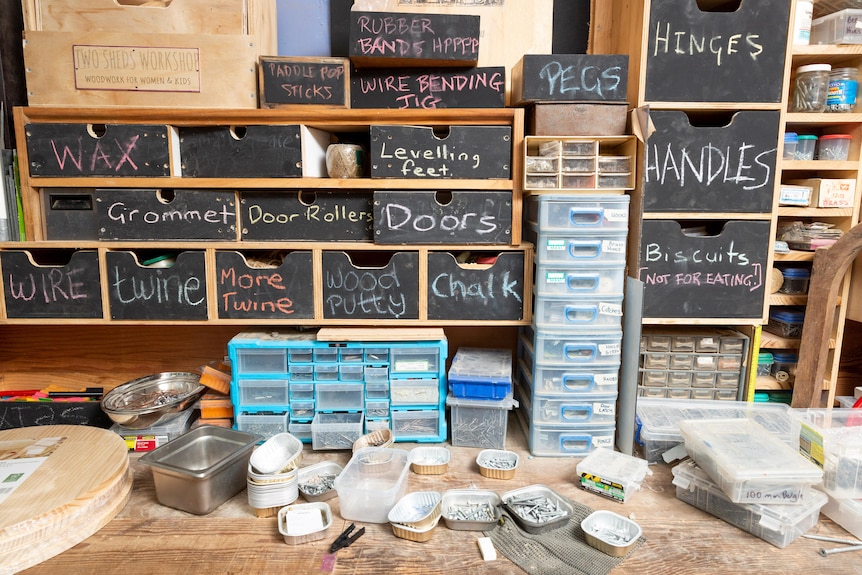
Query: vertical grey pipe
[{"x": 628, "y": 385}]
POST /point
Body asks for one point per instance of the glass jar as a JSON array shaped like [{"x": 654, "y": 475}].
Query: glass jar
[
  {"x": 810, "y": 88},
  {"x": 841, "y": 94}
]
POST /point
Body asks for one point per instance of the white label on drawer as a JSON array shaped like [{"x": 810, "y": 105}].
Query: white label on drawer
[
  {"x": 707, "y": 361},
  {"x": 610, "y": 309},
  {"x": 614, "y": 246},
  {"x": 414, "y": 365},
  {"x": 604, "y": 408},
  {"x": 605, "y": 378},
  {"x": 609, "y": 349},
  {"x": 555, "y": 277},
  {"x": 617, "y": 215},
  {"x": 603, "y": 441},
  {"x": 136, "y": 68},
  {"x": 556, "y": 245}
]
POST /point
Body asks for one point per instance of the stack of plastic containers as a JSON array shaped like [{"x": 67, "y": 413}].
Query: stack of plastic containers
[{"x": 569, "y": 358}]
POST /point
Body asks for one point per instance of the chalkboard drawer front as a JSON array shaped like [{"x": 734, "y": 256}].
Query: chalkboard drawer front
[
  {"x": 405, "y": 39},
  {"x": 137, "y": 292},
  {"x": 428, "y": 217},
  {"x": 286, "y": 81},
  {"x": 423, "y": 152},
  {"x": 254, "y": 151},
  {"x": 254, "y": 284},
  {"x": 743, "y": 60},
  {"x": 698, "y": 168},
  {"x": 370, "y": 285},
  {"x": 166, "y": 214},
  {"x": 595, "y": 348},
  {"x": 556, "y": 212},
  {"x": 42, "y": 283},
  {"x": 575, "y": 280},
  {"x": 426, "y": 88},
  {"x": 599, "y": 246},
  {"x": 477, "y": 291},
  {"x": 70, "y": 214},
  {"x": 306, "y": 216},
  {"x": 578, "y": 312},
  {"x": 570, "y": 77},
  {"x": 82, "y": 150},
  {"x": 720, "y": 274}
]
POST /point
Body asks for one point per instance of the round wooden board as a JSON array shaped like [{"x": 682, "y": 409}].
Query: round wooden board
[{"x": 81, "y": 486}]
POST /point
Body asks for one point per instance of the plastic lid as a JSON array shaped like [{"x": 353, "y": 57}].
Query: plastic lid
[
  {"x": 788, "y": 316},
  {"x": 790, "y": 136},
  {"x": 764, "y": 357},
  {"x": 814, "y": 68},
  {"x": 835, "y": 137},
  {"x": 785, "y": 356},
  {"x": 795, "y": 273},
  {"x": 807, "y": 137}
]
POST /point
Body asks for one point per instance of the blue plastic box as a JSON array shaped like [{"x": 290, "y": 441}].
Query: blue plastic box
[{"x": 481, "y": 373}]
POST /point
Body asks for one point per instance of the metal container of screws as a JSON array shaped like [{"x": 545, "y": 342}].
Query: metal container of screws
[
  {"x": 537, "y": 508},
  {"x": 497, "y": 463},
  {"x": 470, "y": 509},
  {"x": 317, "y": 482}
]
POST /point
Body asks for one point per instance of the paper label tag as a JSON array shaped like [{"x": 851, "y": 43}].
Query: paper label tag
[{"x": 20, "y": 458}]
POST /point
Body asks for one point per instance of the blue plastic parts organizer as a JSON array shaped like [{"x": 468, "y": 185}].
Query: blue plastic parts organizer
[{"x": 285, "y": 381}]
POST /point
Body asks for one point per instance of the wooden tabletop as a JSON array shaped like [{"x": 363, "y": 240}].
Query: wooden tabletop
[{"x": 147, "y": 538}]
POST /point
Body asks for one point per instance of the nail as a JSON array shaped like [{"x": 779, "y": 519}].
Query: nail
[
  {"x": 825, "y": 552},
  {"x": 832, "y": 539}
]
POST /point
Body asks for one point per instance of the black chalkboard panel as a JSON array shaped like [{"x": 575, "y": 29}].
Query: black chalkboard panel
[
  {"x": 429, "y": 217},
  {"x": 281, "y": 291},
  {"x": 178, "y": 292},
  {"x": 303, "y": 80},
  {"x": 306, "y": 216},
  {"x": 70, "y": 214},
  {"x": 476, "y": 292},
  {"x": 122, "y": 150},
  {"x": 726, "y": 168},
  {"x": 715, "y": 276},
  {"x": 386, "y": 286},
  {"x": 34, "y": 288},
  {"x": 401, "y": 39},
  {"x": 424, "y": 88},
  {"x": 243, "y": 151},
  {"x": 570, "y": 78},
  {"x": 716, "y": 56},
  {"x": 15, "y": 414},
  {"x": 147, "y": 214},
  {"x": 459, "y": 152}
]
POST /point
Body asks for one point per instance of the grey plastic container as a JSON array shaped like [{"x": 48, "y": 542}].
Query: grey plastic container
[{"x": 201, "y": 469}]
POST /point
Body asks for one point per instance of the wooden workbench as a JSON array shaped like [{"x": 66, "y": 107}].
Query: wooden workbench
[{"x": 147, "y": 538}]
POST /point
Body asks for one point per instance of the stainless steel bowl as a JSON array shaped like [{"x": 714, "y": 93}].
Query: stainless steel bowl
[{"x": 153, "y": 399}]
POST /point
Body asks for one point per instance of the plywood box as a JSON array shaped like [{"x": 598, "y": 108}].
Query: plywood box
[{"x": 108, "y": 69}]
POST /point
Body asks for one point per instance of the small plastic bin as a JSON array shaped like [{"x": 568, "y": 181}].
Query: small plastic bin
[
  {"x": 261, "y": 360},
  {"x": 615, "y": 181},
  {"x": 339, "y": 396},
  {"x": 578, "y": 181},
  {"x": 336, "y": 430},
  {"x": 405, "y": 392},
  {"x": 612, "y": 474},
  {"x": 301, "y": 373},
  {"x": 679, "y": 378},
  {"x": 832, "y": 438},
  {"x": 377, "y": 355},
  {"x": 565, "y": 347},
  {"x": 257, "y": 392},
  {"x": 367, "y": 493},
  {"x": 837, "y": 28},
  {"x": 779, "y": 525},
  {"x": 653, "y": 360},
  {"x": 300, "y": 354},
  {"x": 541, "y": 164},
  {"x": 325, "y": 372},
  {"x": 785, "y": 321},
  {"x": 658, "y": 420},
  {"x": 557, "y": 280},
  {"x": 749, "y": 464},
  {"x": 301, "y": 391},
  {"x": 265, "y": 425},
  {"x": 578, "y": 165},
  {"x": 791, "y": 141},
  {"x": 597, "y": 246},
  {"x": 377, "y": 408},
  {"x": 377, "y": 390},
  {"x": 301, "y": 430},
  {"x": 376, "y": 374},
  {"x": 350, "y": 355},
  {"x": 325, "y": 354},
  {"x": 569, "y": 148},
  {"x": 795, "y": 281},
  {"x": 561, "y": 212},
  {"x": 577, "y": 441},
  {"x": 413, "y": 359},
  {"x": 418, "y": 424},
  {"x": 302, "y": 409},
  {"x": 615, "y": 164},
  {"x": 573, "y": 409},
  {"x": 479, "y": 422},
  {"x": 568, "y": 380},
  {"x": 481, "y": 373},
  {"x": 845, "y": 512},
  {"x": 350, "y": 372},
  {"x": 805, "y": 147},
  {"x": 764, "y": 363},
  {"x": 541, "y": 182},
  {"x": 834, "y": 147}
]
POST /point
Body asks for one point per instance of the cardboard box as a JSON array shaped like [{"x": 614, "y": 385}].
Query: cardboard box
[{"x": 829, "y": 192}]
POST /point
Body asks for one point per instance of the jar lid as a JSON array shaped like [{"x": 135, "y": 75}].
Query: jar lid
[
  {"x": 795, "y": 273},
  {"x": 814, "y": 68},
  {"x": 851, "y": 71},
  {"x": 790, "y": 136},
  {"x": 835, "y": 137},
  {"x": 807, "y": 137}
]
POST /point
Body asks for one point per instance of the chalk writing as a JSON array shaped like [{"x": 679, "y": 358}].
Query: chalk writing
[
  {"x": 666, "y": 40},
  {"x": 570, "y": 80},
  {"x": 171, "y": 288},
  {"x": 708, "y": 164},
  {"x": 423, "y": 37},
  {"x": 123, "y": 214},
  {"x": 447, "y": 285},
  {"x": 306, "y": 216},
  {"x": 55, "y": 285},
  {"x": 474, "y": 88},
  {"x": 248, "y": 283},
  {"x": 15, "y": 415},
  {"x": 257, "y": 214},
  {"x": 397, "y": 216}
]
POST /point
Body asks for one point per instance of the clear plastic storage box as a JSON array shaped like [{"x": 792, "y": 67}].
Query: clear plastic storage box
[
  {"x": 842, "y": 27},
  {"x": 258, "y": 392},
  {"x": 595, "y": 279},
  {"x": 747, "y": 462},
  {"x": 577, "y": 311},
  {"x": 371, "y": 483},
  {"x": 612, "y": 474},
  {"x": 481, "y": 373},
  {"x": 567, "y": 379},
  {"x": 565, "y": 347},
  {"x": 779, "y": 525},
  {"x": 658, "y": 420},
  {"x": 845, "y": 512},
  {"x": 573, "y": 409},
  {"x": 832, "y": 438},
  {"x": 579, "y": 213},
  {"x": 479, "y": 422},
  {"x": 598, "y": 246}
]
